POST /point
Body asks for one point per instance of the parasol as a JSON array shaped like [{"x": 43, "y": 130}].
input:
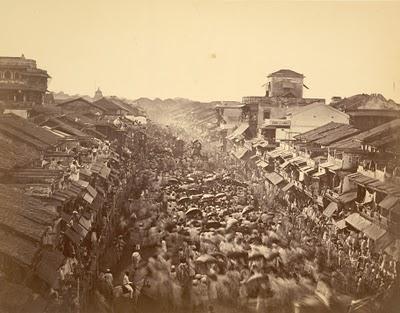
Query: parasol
[
  {"x": 206, "y": 258},
  {"x": 183, "y": 200},
  {"x": 213, "y": 224},
  {"x": 247, "y": 209},
  {"x": 193, "y": 211}
]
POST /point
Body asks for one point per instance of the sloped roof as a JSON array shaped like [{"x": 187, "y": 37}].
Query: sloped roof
[
  {"x": 317, "y": 132},
  {"x": 297, "y": 110},
  {"x": 286, "y": 73},
  {"x": 13, "y": 154},
  {"x": 384, "y": 133},
  {"x": 73, "y": 100},
  {"x": 110, "y": 104},
  {"x": 27, "y": 131},
  {"x": 336, "y": 134},
  {"x": 23, "y": 215}
]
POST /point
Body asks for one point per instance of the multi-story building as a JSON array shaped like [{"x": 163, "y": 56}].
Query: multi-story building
[
  {"x": 21, "y": 82},
  {"x": 284, "y": 90}
]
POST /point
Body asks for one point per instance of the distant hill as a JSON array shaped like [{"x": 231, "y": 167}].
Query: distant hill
[{"x": 365, "y": 101}]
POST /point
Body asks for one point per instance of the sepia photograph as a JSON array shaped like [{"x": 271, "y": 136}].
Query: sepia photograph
[{"x": 199, "y": 156}]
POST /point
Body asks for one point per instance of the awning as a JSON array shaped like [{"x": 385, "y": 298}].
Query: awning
[
  {"x": 241, "y": 153},
  {"x": 341, "y": 224},
  {"x": 326, "y": 164},
  {"x": 319, "y": 174},
  {"x": 374, "y": 232},
  {"x": 88, "y": 198},
  {"x": 357, "y": 221},
  {"x": 287, "y": 187},
  {"x": 238, "y": 131},
  {"x": 274, "y": 178},
  {"x": 361, "y": 179},
  {"x": 262, "y": 164},
  {"x": 308, "y": 169},
  {"x": 104, "y": 172},
  {"x": 347, "y": 197},
  {"x": 284, "y": 164},
  {"x": 394, "y": 250},
  {"x": 379, "y": 235},
  {"x": 275, "y": 153},
  {"x": 333, "y": 168},
  {"x": 390, "y": 203},
  {"x": 330, "y": 209}
]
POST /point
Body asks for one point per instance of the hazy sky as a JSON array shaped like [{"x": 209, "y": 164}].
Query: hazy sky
[{"x": 206, "y": 50}]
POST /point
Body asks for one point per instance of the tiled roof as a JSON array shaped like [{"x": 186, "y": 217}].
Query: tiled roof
[
  {"x": 27, "y": 129},
  {"x": 378, "y": 136},
  {"x": 23, "y": 215},
  {"x": 336, "y": 134},
  {"x": 316, "y": 131},
  {"x": 13, "y": 154}
]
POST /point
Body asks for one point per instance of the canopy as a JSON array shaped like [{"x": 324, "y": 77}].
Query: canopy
[
  {"x": 330, "y": 209},
  {"x": 347, "y": 197},
  {"x": 341, "y": 224},
  {"x": 390, "y": 203},
  {"x": 238, "y": 131},
  {"x": 380, "y": 236},
  {"x": 274, "y": 178},
  {"x": 319, "y": 174},
  {"x": 394, "y": 250},
  {"x": 262, "y": 164},
  {"x": 357, "y": 221},
  {"x": 287, "y": 187},
  {"x": 241, "y": 153}
]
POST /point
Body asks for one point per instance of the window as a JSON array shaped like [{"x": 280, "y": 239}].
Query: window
[
  {"x": 267, "y": 114},
  {"x": 16, "y": 76},
  {"x": 7, "y": 75}
]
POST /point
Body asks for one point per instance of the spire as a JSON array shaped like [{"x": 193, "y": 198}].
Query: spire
[{"x": 98, "y": 94}]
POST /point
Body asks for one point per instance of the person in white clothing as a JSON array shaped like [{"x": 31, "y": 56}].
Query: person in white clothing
[{"x": 127, "y": 284}]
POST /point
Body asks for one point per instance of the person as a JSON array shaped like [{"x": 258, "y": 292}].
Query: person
[
  {"x": 184, "y": 279},
  {"x": 126, "y": 285}
]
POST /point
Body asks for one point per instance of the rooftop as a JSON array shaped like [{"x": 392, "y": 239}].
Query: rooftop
[{"x": 286, "y": 73}]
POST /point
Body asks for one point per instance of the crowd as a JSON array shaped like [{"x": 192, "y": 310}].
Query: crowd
[{"x": 198, "y": 232}]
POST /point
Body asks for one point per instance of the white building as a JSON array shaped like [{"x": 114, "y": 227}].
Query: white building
[{"x": 311, "y": 116}]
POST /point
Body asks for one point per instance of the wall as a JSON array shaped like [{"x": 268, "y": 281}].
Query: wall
[{"x": 313, "y": 118}]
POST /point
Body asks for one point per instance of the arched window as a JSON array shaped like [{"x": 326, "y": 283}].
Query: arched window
[
  {"x": 7, "y": 75},
  {"x": 16, "y": 76}
]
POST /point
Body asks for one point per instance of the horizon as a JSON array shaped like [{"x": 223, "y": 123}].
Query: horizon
[{"x": 210, "y": 50}]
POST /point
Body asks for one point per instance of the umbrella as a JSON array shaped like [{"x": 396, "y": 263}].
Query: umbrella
[
  {"x": 252, "y": 284},
  {"x": 193, "y": 211},
  {"x": 195, "y": 197},
  {"x": 183, "y": 200},
  {"x": 247, "y": 209},
  {"x": 206, "y": 258},
  {"x": 173, "y": 180},
  {"x": 254, "y": 254},
  {"x": 237, "y": 254},
  {"x": 213, "y": 224},
  {"x": 231, "y": 222}
]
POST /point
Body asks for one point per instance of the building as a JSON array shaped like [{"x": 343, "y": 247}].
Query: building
[
  {"x": 369, "y": 118},
  {"x": 265, "y": 114},
  {"x": 80, "y": 105},
  {"x": 285, "y": 83},
  {"x": 98, "y": 94},
  {"x": 306, "y": 118},
  {"x": 21, "y": 82}
]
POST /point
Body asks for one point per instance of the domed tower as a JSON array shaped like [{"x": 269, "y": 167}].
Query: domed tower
[{"x": 98, "y": 94}]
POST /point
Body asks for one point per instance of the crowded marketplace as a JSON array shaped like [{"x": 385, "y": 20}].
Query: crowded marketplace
[{"x": 276, "y": 204}]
